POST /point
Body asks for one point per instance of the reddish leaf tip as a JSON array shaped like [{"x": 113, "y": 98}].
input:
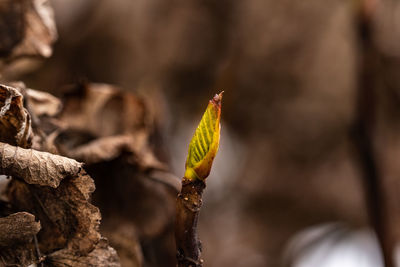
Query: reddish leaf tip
[{"x": 217, "y": 99}]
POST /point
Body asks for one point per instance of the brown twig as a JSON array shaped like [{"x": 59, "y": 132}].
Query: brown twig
[
  {"x": 39, "y": 255},
  {"x": 188, "y": 207},
  {"x": 365, "y": 125}
]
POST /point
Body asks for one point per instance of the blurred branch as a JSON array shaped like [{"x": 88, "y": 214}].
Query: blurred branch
[{"x": 365, "y": 126}]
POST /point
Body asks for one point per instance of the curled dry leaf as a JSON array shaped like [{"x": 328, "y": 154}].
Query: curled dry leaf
[
  {"x": 101, "y": 149},
  {"x": 29, "y": 116},
  {"x": 42, "y": 107},
  {"x": 42, "y": 103},
  {"x": 36, "y": 167},
  {"x": 15, "y": 121},
  {"x": 27, "y": 28},
  {"x": 108, "y": 148},
  {"x": 111, "y": 121},
  {"x": 102, "y": 110}
]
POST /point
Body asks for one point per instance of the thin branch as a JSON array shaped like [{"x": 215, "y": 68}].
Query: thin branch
[
  {"x": 188, "y": 207},
  {"x": 39, "y": 255},
  {"x": 364, "y": 129}
]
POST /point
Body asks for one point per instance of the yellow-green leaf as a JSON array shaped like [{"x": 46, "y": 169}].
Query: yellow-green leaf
[{"x": 205, "y": 142}]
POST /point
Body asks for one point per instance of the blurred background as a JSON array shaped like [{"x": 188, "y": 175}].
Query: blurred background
[{"x": 289, "y": 187}]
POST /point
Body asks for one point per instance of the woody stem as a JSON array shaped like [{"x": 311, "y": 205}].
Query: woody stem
[{"x": 189, "y": 201}]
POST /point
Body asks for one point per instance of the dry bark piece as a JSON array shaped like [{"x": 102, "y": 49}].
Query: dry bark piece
[
  {"x": 17, "y": 228},
  {"x": 36, "y": 167},
  {"x": 15, "y": 122}
]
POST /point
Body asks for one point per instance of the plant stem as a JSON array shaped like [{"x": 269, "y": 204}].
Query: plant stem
[
  {"x": 189, "y": 202},
  {"x": 365, "y": 128}
]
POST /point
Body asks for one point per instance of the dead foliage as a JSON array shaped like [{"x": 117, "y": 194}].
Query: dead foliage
[
  {"x": 55, "y": 151},
  {"x": 110, "y": 132},
  {"x": 54, "y": 188}
]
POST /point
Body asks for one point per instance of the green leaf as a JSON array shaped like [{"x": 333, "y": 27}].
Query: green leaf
[{"x": 205, "y": 142}]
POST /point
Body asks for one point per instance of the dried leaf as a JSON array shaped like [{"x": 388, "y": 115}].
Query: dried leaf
[
  {"x": 36, "y": 167},
  {"x": 54, "y": 188},
  {"x": 27, "y": 27},
  {"x": 11, "y": 25},
  {"x": 110, "y": 130},
  {"x": 42, "y": 103},
  {"x": 101, "y": 149},
  {"x": 112, "y": 122},
  {"x": 68, "y": 219},
  {"x": 101, "y": 256},
  {"x": 17, "y": 228},
  {"x": 102, "y": 110},
  {"x": 205, "y": 142},
  {"x": 21, "y": 255},
  {"x": 108, "y": 148},
  {"x": 16, "y": 233},
  {"x": 15, "y": 122}
]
